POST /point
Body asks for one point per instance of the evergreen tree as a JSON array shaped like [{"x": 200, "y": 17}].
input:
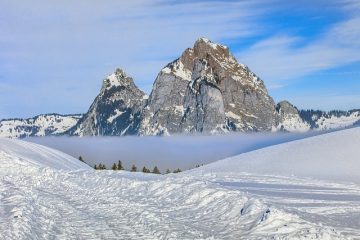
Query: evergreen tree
[
  {"x": 81, "y": 159},
  {"x": 101, "y": 166},
  {"x": 177, "y": 170},
  {"x": 95, "y": 167},
  {"x": 145, "y": 170},
  {"x": 114, "y": 167},
  {"x": 168, "y": 171},
  {"x": 133, "y": 168},
  {"x": 156, "y": 170},
  {"x": 120, "y": 166}
]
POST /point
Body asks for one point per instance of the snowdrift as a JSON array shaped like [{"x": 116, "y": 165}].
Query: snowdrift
[
  {"x": 332, "y": 156},
  {"x": 33, "y": 154}
]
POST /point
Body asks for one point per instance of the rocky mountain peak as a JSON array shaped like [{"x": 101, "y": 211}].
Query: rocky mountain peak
[
  {"x": 289, "y": 119},
  {"x": 207, "y": 90},
  {"x": 115, "y": 111},
  {"x": 285, "y": 106},
  {"x": 117, "y": 79},
  {"x": 204, "y": 46}
]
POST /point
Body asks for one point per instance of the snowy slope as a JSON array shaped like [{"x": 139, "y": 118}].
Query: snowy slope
[
  {"x": 53, "y": 203},
  {"x": 13, "y": 152},
  {"x": 332, "y": 156},
  {"x": 42, "y": 125}
]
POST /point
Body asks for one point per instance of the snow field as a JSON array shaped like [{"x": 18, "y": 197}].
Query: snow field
[{"x": 45, "y": 194}]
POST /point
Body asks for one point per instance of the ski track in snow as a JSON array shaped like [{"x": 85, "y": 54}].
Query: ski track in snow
[{"x": 39, "y": 202}]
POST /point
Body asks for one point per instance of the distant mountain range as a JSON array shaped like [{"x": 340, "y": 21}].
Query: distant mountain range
[
  {"x": 204, "y": 91},
  {"x": 41, "y": 125}
]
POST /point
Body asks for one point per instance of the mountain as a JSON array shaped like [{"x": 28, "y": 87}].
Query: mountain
[
  {"x": 207, "y": 90},
  {"x": 41, "y": 125},
  {"x": 320, "y": 120},
  {"x": 115, "y": 111},
  {"x": 289, "y": 119}
]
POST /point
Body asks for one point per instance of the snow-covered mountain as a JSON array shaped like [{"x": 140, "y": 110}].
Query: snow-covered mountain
[
  {"x": 41, "y": 125},
  {"x": 280, "y": 192},
  {"x": 320, "y": 120},
  {"x": 293, "y": 120},
  {"x": 205, "y": 90},
  {"x": 115, "y": 111},
  {"x": 289, "y": 119}
]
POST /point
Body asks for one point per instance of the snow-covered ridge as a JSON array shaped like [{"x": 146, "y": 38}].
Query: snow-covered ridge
[
  {"x": 116, "y": 79},
  {"x": 331, "y": 156},
  {"x": 210, "y": 43},
  {"x": 41, "y": 125},
  {"x": 15, "y": 152}
]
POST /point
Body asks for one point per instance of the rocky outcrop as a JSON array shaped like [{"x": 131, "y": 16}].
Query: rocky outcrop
[
  {"x": 289, "y": 119},
  {"x": 115, "y": 111}
]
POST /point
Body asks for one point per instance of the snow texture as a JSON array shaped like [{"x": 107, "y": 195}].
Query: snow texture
[
  {"x": 218, "y": 201},
  {"x": 25, "y": 153}
]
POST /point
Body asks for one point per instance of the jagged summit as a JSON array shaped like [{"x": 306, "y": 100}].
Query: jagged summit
[
  {"x": 287, "y": 106},
  {"x": 117, "y": 78},
  {"x": 115, "y": 111},
  {"x": 204, "y": 46},
  {"x": 206, "y": 41}
]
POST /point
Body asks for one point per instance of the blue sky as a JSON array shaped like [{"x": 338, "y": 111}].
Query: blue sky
[{"x": 53, "y": 56}]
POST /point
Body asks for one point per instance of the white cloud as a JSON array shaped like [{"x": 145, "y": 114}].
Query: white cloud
[{"x": 279, "y": 58}]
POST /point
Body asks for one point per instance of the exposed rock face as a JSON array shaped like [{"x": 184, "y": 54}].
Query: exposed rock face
[
  {"x": 115, "y": 111},
  {"x": 289, "y": 119},
  {"x": 42, "y": 125},
  {"x": 207, "y": 90}
]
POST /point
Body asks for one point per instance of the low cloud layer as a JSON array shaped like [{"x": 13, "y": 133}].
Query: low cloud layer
[{"x": 182, "y": 152}]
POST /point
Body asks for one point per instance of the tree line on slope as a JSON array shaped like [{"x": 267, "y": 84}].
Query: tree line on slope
[{"x": 119, "y": 166}]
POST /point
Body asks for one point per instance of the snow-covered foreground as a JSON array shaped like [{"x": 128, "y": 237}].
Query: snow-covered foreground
[{"x": 214, "y": 202}]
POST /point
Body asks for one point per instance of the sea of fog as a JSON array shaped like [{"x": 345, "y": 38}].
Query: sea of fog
[{"x": 184, "y": 152}]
